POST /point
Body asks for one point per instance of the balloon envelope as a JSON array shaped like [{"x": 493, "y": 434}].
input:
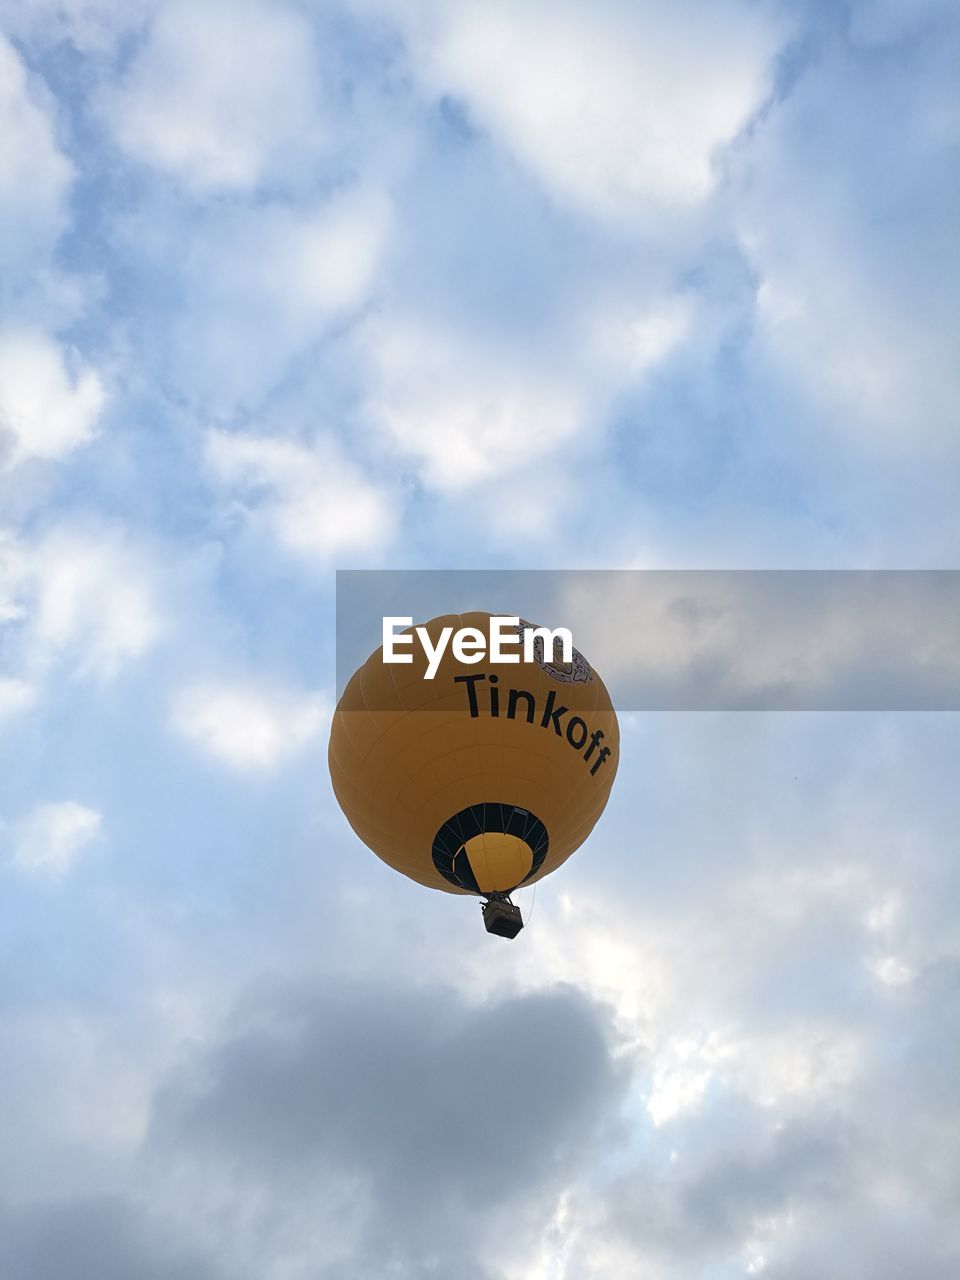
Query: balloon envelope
[{"x": 481, "y": 780}]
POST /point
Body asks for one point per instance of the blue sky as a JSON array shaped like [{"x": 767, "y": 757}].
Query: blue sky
[{"x": 288, "y": 288}]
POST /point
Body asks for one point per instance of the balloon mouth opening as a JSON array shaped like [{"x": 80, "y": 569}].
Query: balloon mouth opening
[{"x": 490, "y": 848}]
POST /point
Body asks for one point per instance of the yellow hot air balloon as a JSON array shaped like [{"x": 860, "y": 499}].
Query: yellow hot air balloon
[{"x": 479, "y": 780}]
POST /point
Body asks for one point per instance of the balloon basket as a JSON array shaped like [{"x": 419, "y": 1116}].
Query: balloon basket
[{"x": 502, "y": 918}]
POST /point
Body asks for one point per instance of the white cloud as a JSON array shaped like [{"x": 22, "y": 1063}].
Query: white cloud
[
  {"x": 94, "y": 595},
  {"x": 49, "y": 400},
  {"x": 892, "y": 971},
  {"x": 615, "y": 105},
  {"x": 15, "y": 696},
  {"x": 471, "y": 411},
  {"x": 85, "y": 599},
  {"x": 680, "y": 1073},
  {"x": 803, "y": 1061},
  {"x": 627, "y": 340},
  {"x": 34, "y": 173},
  {"x": 826, "y": 322},
  {"x": 466, "y": 414},
  {"x": 92, "y": 26},
  {"x": 300, "y": 266},
  {"x": 303, "y": 268},
  {"x": 770, "y": 1067},
  {"x": 247, "y": 727},
  {"x": 52, "y": 838},
  {"x": 309, "y": 498},
  {"x": 852, "y": 308},
  {"x": 223, "y": 96},
  {"x": 327, "y": 262}
]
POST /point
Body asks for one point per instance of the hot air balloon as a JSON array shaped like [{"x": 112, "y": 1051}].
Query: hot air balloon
[{"x": 480, "y": 780}]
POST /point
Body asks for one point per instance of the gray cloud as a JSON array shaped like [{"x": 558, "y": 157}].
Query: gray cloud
[
  {"x": 107, "y": 1239},
  {"x": 863, "y": 1183},
  {"x": 735, "y": 1167},
  {"x": 445, "y": 1116}
]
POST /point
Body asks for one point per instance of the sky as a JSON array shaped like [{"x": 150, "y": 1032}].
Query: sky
[{"x": 291, "y": 287}]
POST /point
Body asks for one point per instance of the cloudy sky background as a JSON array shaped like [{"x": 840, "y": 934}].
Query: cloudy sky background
[{"x": 291, "y": 287}]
